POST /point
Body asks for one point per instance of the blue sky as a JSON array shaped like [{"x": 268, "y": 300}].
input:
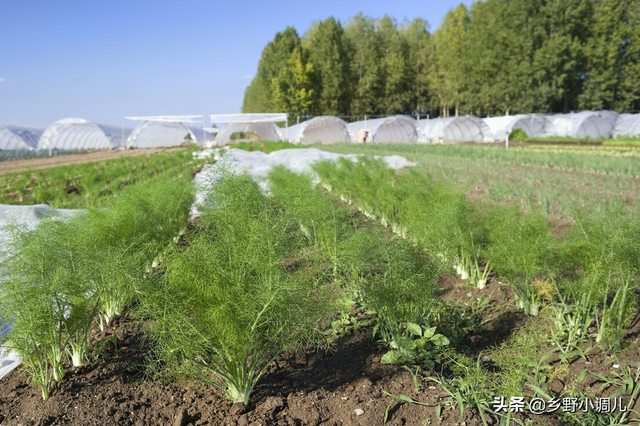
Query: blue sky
[{"x": 106, "y": 59}]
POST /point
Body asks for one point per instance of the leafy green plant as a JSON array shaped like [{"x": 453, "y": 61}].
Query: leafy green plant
[
  {"x": 65, "y": 271},
  {"x": 416, "y": 345},
  {"x": 227, "y": 305},
  {"x": 518, "y": 135}
]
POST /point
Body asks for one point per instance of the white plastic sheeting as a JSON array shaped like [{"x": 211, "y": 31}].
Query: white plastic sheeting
[
  {"x": 19, "y": 137},
  {"x": 394, "y": 129},
  {"x": 249, "y": 118},
  {"x": 78, "y": 134},
  {"x": 265, "y": 130},
  {"x": 28, "y": 216},
  {"x": 535, "y": 125},
  {"x": 162, "y": 134},
  {"x": 585, "y": 124},
  {"x": 627, "y": 125},
  {"x": 324, "y": 130},
  {"x": 466, "y": 128},
  {"x": 258, "y": 165}
]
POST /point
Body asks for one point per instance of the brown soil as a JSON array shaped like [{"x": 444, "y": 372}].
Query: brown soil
[
  {"x": 307, "y": 388},
  {"x": 80, "y": 157},
  {"x": 301, "y": 389}
]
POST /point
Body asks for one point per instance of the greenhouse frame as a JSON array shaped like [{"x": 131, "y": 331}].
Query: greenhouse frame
[
  {"x": 534, "y": 125},
  {"x": 466, "y": 128},
  {"x": 265, "y": 131},
  {"x": 80, "y": 134},
  {"x": 262, "y": 124},
  {"x": 585, "y": 124},
  {"x": 324, "y": 130},
  {"x": 164, "y": 134},
  {"x": 397, "y": 128},
  {"x": 19, "y": 137},
  {"x": 627, "y": 125}
]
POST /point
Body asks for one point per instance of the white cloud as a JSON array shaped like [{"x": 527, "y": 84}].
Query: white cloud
[
  {"x": 246, "y": 77},
  {"x": 2, "y": 80}
]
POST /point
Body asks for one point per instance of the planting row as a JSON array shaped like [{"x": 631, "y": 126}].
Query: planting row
[
  {"x": 68, "y": 272},
  {"x": 79, "y": 185},
  {"x": 582, "y": 283},
  {"x": 262, "y": 275}
]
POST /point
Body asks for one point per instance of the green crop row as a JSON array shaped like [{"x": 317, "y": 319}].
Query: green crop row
[
  {"x": 265, "y": 275},
  {"x": 80, "y": 185},
  {"x": 606, "y": 160},
  {"x": 19, "y": 154},
  {"x": 264, "y": 146},
  {"x": 582, "y": 282},
  {"x": 592, "y": 262},
  {"x": 558, "y": 192},
  {"x": 67, "y": 272}
]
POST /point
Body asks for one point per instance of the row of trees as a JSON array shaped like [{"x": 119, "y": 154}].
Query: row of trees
[{"x": 498, "y": 57}]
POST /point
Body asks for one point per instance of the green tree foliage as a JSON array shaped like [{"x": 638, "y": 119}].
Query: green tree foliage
[
  {"x": 292, "y": 89},
  {"x": 496, "y": 57},
  {"x": 395, "y": 69},
  {"x": 449, "y": 76},
  {"x": 329, "y": 54},
  {"x": 613, "y": 56},
  {"x": 366, "y": 81},
  {"x": 421, "y": 55}
]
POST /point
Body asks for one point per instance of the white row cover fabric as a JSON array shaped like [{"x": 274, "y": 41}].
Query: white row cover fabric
[
  {"x": 466, "y": 128},
  {"x": 78, "y": 133},
  {"x": 19, "y": 137},
  {"x": 394, "y": 129},
  {"x": 323, "y": 129},
  {"x": 163, "y": 134},
  {"x": 249, "y": 118},
  {"x": 627, "y": 125},
  {"x": 258, "y": 165},
  {"x": 585, "y": 124},
  {"x": 535, "y": 125},
  {"x": 266, "y": 132}
]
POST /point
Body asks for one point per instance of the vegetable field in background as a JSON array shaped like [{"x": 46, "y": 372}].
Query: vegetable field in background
[
  {"x": 446, "y": 293},
  {"x": 79, "y": 185},
  {"x": 560, "y": 181}
]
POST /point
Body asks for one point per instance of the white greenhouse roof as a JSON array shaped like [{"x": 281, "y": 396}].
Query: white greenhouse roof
[
  {"x": 397, "y": 128},
  {"x": 266, "y": 131},
  {"x": 249, "y": 118},
  {"x": 164, "y": 134},
  {"x": 466, "y": 128},
  {"x": 627, "y": 125},
  {"x": 592, "y": 124},
  {"x": 535, "y": 125},
  {"x": 170, "y": 118},
  {"x": 19, "y": 137},
  {"x": 324, "y": 130},
  {"x": 79, "y": 134}
]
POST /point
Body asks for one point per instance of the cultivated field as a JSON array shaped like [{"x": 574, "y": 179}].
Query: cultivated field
[{"x": 469, "y": 289}]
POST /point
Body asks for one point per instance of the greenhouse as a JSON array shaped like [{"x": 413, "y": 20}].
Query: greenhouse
[
  {"x": 163, "y": 134},
  {"x": 467, "y": 128},
  {"x": 324, "y": 130},
  {"x": 262, "y": 124},
  {"x": 398, "y": 128},
  {"x": 79, "y": 134},
  {"x": 585, "y": 124},
  {"x": 19, "y": 137},
  {"x": 534, "y": 125},
  {"x": 627, "y": 125},
  {"x": 265, "y": 131}
]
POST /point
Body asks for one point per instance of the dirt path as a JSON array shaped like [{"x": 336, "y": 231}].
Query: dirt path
[{"x": 80, "y": 157}]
